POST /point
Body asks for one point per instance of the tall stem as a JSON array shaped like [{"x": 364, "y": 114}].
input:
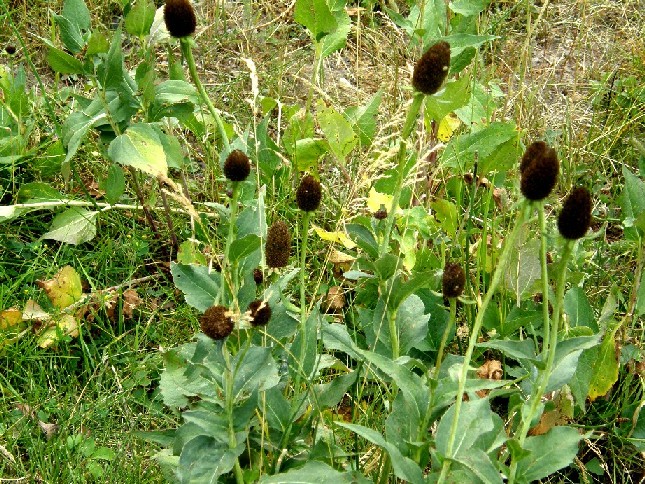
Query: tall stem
[
  {"x": 227, "y": 273},
  {"x": 545, "y": 374},
  {"x": 509, "y": 246},
  {"x": 232, "y": 439},
  {"x": 187, "y": 51}
]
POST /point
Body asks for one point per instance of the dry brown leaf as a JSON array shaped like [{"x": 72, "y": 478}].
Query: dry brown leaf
[
  {"x": 131, "y": 301},
  {"x": 334, "y": 300},
  {"x": 490, "y": 370},
  {"x": 342, "y": 263}
]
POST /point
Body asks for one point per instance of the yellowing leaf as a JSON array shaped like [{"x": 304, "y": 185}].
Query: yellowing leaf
[
  {"x": 64, "y": 289},
  {"x": 66, "y": 325},
  {"x": 10, "y": 317},
  {"x": 336, "y": 237},
  {"x": 605, "y": 367},
  {"x": 447, "y": 127},
  {"x": 376, "y": 199}
]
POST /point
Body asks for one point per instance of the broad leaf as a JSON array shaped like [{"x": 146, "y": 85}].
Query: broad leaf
[
  {"x": 337, "y": 130},
  {"x": 254, "y": 370},
  {"x": 605, "y": 366},
  {"x": 203, "y": 459},
  {"x": 314, "y": 472},
  {"x": 578, "y": 309},
  {"x": 316, "y": 16},
  {"x": 632, "y": 203},
  {"x": 141, "y": 148},
  {"x": 548, "y": 453},
  {"x": 62, "y": 62},
  {"x": 140, "y": 18},
  {"x": 74, "y": 226},
  {"x": 199, "y": 284}
]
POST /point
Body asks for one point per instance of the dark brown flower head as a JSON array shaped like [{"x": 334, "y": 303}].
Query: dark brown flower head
[
  {"x": 454, "y": 280},
  {"x": 180, "y": 18},
  {"x": 539, "y": 171},
  {"x": 258, "y": 275},
  {"x": 278, "y": 245},
  {"x": 309, "y": 194},
  {"x": 432, "y": 68},
  {"x": 10, "y": 49},
  {"x": 380, "y": 214},
  {"x": 575, "y": 217},
  {"x": 215, "y": 324},
  {"x": 260, "y": 312},
  {"x": 237, "y": 166}
]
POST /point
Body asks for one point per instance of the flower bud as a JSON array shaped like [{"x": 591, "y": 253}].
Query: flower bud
[
  {"x": 539, "y": 171},
  {"x": 309, "y": 194},
  {"x": 237, "y": 166},
  {"x": 278, "y": 245},
  {"x": 180, "y": 18},
  {"x": 575, "y": 217},
  {"x": 215, "y": 324},
  {"x": 453, "y": 281},
  {"x": 432, "y": 68}
]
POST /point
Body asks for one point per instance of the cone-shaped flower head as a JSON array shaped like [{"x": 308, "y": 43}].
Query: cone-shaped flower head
[
  {"x": 278, "y": 244},
  {"x": 432, "y": 68},
  {"x": 260, "y": 312},
  {"x": 309, "y": 194},
  {"x": 180, "y": 18},
  {"x": 539, "y": 171},
  {"x": 575, "y": 218},
  {"x": 453, "y": 281},
  {"x": 237, "y": 166},
  {"x": 215, "y": 324},
  {"x": 258, "y": 275}
]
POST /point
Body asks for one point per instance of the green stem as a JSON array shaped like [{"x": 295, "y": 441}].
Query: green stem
[
  {"x": 394, "y": 333},
  {"x": 509, "y": 247},
  {"x": 187, "y": 51},
  {"x": 446, "y": 332},
  {"x": 227, "y": 273},
  {"x": 232, "y": 439},
  {"x": 303, "y": 259},
  {"x": 545, "y": 279},
  {"x": 545, "y": 374}
]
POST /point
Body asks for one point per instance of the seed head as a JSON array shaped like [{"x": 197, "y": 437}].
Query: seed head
[
  {"x": 539, "y": 171},
  {"x": 278, "y": 245},
  {"x": 215, "y": 324},
  {"x": 180, "y": 18},
  {"x": 237, "y": 166},
  {"x": 380, "y": 214},
  {"x": 258, "y": 276},
  {"x": 575, "y": 217},
  {"x": 454, "y": 280},
  {"x": 260, "y": 313},
  {"x": 308, "y": 194},
  {"x": 432, "y": 68}
]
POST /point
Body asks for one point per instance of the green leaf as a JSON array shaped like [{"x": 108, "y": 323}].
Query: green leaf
[
  {"x": 411, "y": 323},
  {"x": 475, "y": 422},
  {"x": 62, "y": 62},
  {"x": 140, "y": 18},
  {"x": 77, "y": 12},
  {"x": 199, "y": 285},
  {"x": 454, "y": 95},
  {"x": 605, "y": 366},
  {"x": 305, "y": 353},
  {"x": 114, "y": 183},
  {"x": 523, "y": 268},
  {"x": 254, "y": 370},
  {"x": 203, "y": 459},
  {"x": 364, "y": 238},
  {"x": 175, "y": 91},
  {"x": 632, "y": 203},
  {"x": 468, "y": 7},
  {"x": 70, "y": 34},
  {"x": 496, "y": 145},
  {"x": 567, "y": 355},
  {"x": 314, "y": 472},
  {"x": 308, "y": 152},
  {"x": 478, "y": 462},
  {"x": 548, "y": 453},
  {"x": 460, "y": 42},
  {"x": 98, "y": 44},
  {"x": 518, "y": 350},
  {"x": 141, "y": 148},
  {"x": 73, "y": 226},
  {"x": 337, "y": 130},
  {"x": 640, "y": 297},
  {"x": 404, "y": 467},
  {"x": 336, "y": 39},
  {"x": 446, "y": 215},
  {"x": 316, "y": 16},
  {"x": 242, "y": 247},
  {"x": 578, "y": 309},
  {"x": 363, "y": 119}
]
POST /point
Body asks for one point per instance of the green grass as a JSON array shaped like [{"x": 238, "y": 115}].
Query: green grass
[{"x": 582, "y": 92}]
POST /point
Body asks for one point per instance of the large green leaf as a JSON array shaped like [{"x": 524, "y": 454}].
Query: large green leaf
[
  {"x": 314, "y": 472},
  {"x": 605, "y": 366},
  {"x": 316, "y": 16},
  {"x": 140, "y": 148},
  {"x": 468, "y": 7},
  {"x": 404, "y": 467},
  {"x": 578, "y": 309},
  {"x": 203, "y": 459},
  {"x": 140, "y": 17},
  {"x": 254, "y": 370},
  {"x": 363, "y": 118},
  {"x": 74, "y": 226},
  {"x": 199, "y": 284},
  {"x": 411, "y": 323},
  {"x": 336, "y": 39},
  {"x": 62, "y": 62},
  {"x": 632, "y": 203},
  {"x": 338, "y": 131},
  {"x": 548, "y": 453},
  {"x": 308, "y": 152}
]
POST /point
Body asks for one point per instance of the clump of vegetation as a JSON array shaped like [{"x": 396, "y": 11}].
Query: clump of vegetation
[{"x": 437, "y": 323}]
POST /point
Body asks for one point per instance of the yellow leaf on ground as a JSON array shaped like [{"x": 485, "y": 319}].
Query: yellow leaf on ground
[
  {"x": 66, "y": 325},
  {"x": 10, "y": 317},
  {"x": 64, "y": 289},
  {"x": 377, "y": 200},
  {"x": 336, "y": 237},
  {"x": 447, "y": 127}
]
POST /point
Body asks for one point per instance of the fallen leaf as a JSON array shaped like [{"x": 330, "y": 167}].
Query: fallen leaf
[
  {"x": 490, "y": 370},
  {"x": 131, "y": 301},
  {"x": 10, "y": 317},
  {"x": 334, "y": 300},
  {"x": 66, "y": 325},
  {"x": 342, "y": 263},
  {"x": 64, "y": 289},
  {"x": 49, "y": 429},
  {"x": 33, "y": 312}
]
